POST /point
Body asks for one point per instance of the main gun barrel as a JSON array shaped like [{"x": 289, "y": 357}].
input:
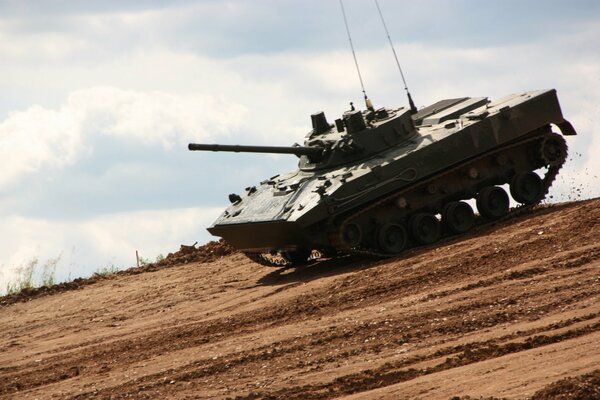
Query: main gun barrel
[{"x": 297, "y": 150}]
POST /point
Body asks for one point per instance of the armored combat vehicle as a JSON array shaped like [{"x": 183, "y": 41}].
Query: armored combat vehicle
[{"x": 381, "y": 180}]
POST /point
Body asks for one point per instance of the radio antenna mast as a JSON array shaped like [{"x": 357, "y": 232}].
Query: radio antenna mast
[
  {"x": 368, "y": 102},
  {"x": 413, "y": 109}
]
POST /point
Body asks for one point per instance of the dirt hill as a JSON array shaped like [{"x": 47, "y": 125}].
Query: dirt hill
[{"x": 509, "y": 311}]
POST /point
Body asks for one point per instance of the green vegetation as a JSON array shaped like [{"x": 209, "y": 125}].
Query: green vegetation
[
  {"x": 143, "y": 261},
  {"x": 146, "y": 261},
  {"x": 24, "y": 278},
  {"x": 31, "y": 275},
  {"x": 26, "y": 275},
  {"x": 107, "y": 271},
  {"x": 49, "y": 271}
]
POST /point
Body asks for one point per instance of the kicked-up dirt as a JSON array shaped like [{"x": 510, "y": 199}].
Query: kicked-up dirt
[{"x": 507, "y": 311}]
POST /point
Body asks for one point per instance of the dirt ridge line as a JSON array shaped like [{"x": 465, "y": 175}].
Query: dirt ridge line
[{"x": 206, "y": 253}]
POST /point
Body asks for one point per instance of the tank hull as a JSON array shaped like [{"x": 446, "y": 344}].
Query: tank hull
[{"x": 311, "y": 209}]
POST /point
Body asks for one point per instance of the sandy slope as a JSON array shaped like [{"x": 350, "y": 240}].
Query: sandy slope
[{"x": 504, "y": 312}]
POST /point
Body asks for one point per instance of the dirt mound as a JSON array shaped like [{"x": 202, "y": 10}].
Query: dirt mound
[
  {"x": 509, "y": 311},
  {"x": 186, "y": 254},
  {"x": 203, "y": 254},
  {"x": 584, "y": 387}
]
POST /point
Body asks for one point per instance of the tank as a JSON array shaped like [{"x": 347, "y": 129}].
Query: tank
[{"x": 379, "y": 181}]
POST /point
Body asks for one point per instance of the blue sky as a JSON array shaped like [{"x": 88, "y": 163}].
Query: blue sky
[{"x": 99, "y": 100}]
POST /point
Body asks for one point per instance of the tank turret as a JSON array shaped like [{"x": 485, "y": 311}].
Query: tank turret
[{"x": 355, "y": 136}]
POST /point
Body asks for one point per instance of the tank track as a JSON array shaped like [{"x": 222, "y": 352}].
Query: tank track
[
  {"x": 336, "y": 235},
  {"x": 281, "y": 260},
  {"x": 269, "y": 260}
]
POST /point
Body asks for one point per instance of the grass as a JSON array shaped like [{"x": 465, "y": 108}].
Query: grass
[
  {"x": 107, "y": 271},
  {"x": 143, "y": 261},
  {"x": 31, "y": 275},
  {"x": 26, "y": 275},
  {"x": 24, "y": 278},
  {"x": 49, "y": 271},
  {"x": 146, "y": 261}
]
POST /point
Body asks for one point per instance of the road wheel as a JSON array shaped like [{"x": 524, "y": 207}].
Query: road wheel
[
  {"x": 392, "y": 238},
  {"x": 527, "y": 188},
  {"x": 352, "y": 234},
  {"x": 458, "y": 217},
  {"x": 425, "y": 228},
  {"x": 492, "y": 202}
]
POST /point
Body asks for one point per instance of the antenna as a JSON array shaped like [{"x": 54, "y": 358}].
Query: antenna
[
  {"x": 367, "y": 100},
  {"x": 413, "y": 109}
]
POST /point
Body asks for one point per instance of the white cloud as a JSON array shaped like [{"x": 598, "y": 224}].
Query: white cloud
[
  {"x": 88, "y": 245},
  {"x": 34, "y": 138},
  {"x": 41, "y": 138},
  {"x": 154, "y": 117}
]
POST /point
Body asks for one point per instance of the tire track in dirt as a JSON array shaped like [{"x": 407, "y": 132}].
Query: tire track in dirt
[
  {"x": 197, "y": 335},
  {"x": 232, "y": 329}
]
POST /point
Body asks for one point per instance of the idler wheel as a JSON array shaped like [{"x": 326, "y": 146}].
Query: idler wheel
[
  {"x": 425, "y": 228},
  {"x": 492, "y": 202},
  {"x": 553, "y": 150},
  {"x": 352, "y": 234},
  {"x": 527, "y": 188},
  {"x": 392, "y": 238},
  {"x": 458, "y": 217}
]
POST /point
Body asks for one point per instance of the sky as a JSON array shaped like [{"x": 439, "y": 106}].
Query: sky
[{"x": 100, "y": 98}]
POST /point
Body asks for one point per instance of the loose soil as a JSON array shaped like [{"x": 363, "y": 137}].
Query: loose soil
[{"x": 509, "y": 311}]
